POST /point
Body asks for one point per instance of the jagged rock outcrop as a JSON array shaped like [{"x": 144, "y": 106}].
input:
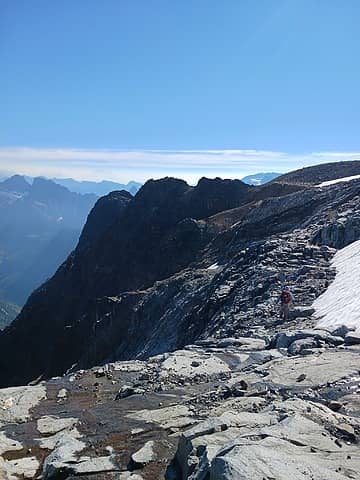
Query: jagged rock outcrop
[
  {"x": 105, "y": 213},
  {"x": 175, "y": 267},
  {"x": 340, "y": 231}
]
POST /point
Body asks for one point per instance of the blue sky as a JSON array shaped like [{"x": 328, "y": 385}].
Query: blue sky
[{"x": 131, "y": 89}]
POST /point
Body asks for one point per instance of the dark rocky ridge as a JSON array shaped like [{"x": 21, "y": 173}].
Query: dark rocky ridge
[
  {"x": 106, "y": 211},
  {"x": 321, "y": 173},
  {"x": 144, "y": 285}
]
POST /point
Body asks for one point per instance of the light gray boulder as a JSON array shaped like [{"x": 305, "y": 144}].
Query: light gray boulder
[
  {"x": 63, "y": 456},
  {"x": 50, "y": 424},
  {"x": 285, "y": 339},
  {"x": 296, "y": 447},
  {"x": 145, "y": 455},
  {"x": 303, "y": 346},
  {"x": 18, "y": 468},
  {"x": 8, "y": 444},
  {"x": 198, "y": 446},
  {"x": 275, "y": 458},
  {"x": 16, "y": 402}
]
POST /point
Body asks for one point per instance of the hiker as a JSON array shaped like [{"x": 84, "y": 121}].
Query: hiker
[{"x": 285, "y": 302}]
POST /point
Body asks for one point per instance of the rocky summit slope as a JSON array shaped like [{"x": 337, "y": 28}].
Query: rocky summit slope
[
  {"x": 276, "y": 407},
  {"x": 197, "y": 377},
  {"x": 321, "y": 173}
]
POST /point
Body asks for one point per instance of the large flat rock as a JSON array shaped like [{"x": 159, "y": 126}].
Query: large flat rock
[
  {"x": 16, "y": 402},
  {"x": 327, "y": 367}
]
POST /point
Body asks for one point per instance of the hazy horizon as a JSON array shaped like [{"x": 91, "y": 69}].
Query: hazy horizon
[{"x": 124, "y": 166}]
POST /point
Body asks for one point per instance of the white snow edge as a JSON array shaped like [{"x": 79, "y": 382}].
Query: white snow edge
[
  {"x": 340, "y": 304},
  {"x": 338, "y": 180}
]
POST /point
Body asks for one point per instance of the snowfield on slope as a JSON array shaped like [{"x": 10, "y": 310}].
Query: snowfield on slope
[
  {"x": 340, "y": 304},
  {"x": 338, "y": 180}
]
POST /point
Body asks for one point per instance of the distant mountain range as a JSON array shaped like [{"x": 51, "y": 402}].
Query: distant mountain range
[
  {"x": 98, "y": 188},
  {"x": 106, "y": 186},
  {"x": 40, "y": 224},
  {"x": 260, "y": 178},
  {"x": 85, "y": 186}
]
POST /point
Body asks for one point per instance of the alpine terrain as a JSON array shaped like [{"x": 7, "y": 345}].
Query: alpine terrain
[{"x": 157, "y": 350}]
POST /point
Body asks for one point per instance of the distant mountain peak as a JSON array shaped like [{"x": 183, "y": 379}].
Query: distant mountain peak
[
  {"x": 16, "y": 183},
  {"x": 260, "y": 178}
]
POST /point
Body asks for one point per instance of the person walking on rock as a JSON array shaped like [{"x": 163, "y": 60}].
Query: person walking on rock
[{"x": 285, "y": 302}]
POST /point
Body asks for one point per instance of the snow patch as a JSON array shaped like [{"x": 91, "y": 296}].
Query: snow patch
[
  {"x": 340, "y": 304},
  {"x": 214, "y": 266},
  {"x": 338, "y": 180}
]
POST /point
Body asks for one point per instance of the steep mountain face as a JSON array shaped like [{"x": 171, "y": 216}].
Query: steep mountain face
[
  {"x": 39, "y": 226},
  {"x": 260, "y": 178},
  {"x": 106, "y": 211},
  {"x": 321, "y": 173}
]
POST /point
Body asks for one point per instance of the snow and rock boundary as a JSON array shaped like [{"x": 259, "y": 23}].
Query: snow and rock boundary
[{"x": 340, "y": 303}]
